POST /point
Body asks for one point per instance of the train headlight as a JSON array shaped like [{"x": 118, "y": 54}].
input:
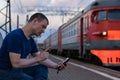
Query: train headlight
[{"x": 104, "y": 33}]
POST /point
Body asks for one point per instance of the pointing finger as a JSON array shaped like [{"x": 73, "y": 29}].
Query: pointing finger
[{"x": 47, "y": 49}]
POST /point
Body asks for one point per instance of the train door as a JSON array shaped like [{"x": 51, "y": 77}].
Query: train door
[
  {"x": 81, "y": 38},
  {"x": 59, "y": 42}
]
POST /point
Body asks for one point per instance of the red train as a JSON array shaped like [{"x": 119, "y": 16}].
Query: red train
[{"x": 93, "y": 34}]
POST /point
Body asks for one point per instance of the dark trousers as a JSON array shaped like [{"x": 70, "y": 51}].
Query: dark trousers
[{"x": 37, "y": 72}]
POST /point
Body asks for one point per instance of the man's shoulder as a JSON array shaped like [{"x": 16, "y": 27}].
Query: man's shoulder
[{"x": 15, "y": 33}]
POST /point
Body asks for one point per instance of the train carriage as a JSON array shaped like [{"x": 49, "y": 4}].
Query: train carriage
[
  {"x": 54, "y": 42},
  {"x": 47, "y": 42},
  {"x": 68, "y": 33}
]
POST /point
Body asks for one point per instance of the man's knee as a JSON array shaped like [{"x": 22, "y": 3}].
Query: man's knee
[
  {"x": 42, "y": 72},
  {"x": 4, "y": 75},
  {"x": 39, "y": 72}
]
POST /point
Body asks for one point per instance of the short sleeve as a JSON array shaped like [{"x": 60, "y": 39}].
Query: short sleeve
[{"x": 14, "y": 44}]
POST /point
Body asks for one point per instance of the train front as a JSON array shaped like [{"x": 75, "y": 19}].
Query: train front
[{"x": 105, "y": 35}]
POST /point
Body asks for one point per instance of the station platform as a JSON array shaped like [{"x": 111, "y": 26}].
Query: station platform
[
  {"x": 69, "y": 73},
  {"x": 77, "y": 70}
]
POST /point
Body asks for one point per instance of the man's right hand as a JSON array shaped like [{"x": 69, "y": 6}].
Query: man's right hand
[{"x": 43, "y": 55}]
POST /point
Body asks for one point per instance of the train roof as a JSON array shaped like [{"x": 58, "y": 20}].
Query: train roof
[
  {"x": 71, "y": 20},
  {"x": 101, "y": 4},
  {"x": 94, "y": 5}
]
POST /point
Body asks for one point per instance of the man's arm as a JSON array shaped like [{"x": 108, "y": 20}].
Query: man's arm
[
  {"x": 18, "y": 62},
  {"x": 49, "y": 63}
]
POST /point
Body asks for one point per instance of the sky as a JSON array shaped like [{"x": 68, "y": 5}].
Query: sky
[{"x": 28, "y": 7}]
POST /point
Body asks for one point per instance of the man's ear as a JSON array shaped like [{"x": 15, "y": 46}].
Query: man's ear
[{"x": 35, "y": 20}]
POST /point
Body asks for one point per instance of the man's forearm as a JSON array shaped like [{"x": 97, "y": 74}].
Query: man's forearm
[{"x": 49, "y": 63}]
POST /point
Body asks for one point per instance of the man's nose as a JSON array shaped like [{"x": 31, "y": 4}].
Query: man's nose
[{"x": 43, "y": 30}]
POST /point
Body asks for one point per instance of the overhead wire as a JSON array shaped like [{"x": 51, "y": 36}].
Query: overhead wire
[{"x": 18, "y": 7}]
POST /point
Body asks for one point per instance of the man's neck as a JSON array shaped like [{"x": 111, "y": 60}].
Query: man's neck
[{"x": 26, "y": 32}]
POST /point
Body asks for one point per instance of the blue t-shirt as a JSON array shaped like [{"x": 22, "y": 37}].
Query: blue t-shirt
[{"x": 15, "y": 42}]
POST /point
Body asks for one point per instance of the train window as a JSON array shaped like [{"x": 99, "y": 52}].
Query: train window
[
  {"x": 101, "y": 15},
  {"x": 114, "y": 15},
  {"x": 72, "y": 33},
  {"x": 67, "y": 34}
]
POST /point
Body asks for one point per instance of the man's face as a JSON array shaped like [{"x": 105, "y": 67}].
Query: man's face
[{"x": 40, "y": 27}]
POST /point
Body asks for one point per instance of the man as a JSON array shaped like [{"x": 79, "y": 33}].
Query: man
[{"x": 17, "y": 45}]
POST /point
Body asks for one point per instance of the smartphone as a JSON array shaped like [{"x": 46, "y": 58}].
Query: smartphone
[{"x": 66, "y": 60}]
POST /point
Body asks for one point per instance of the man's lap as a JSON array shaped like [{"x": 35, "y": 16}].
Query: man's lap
[{"x": 37, "y": 72}]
